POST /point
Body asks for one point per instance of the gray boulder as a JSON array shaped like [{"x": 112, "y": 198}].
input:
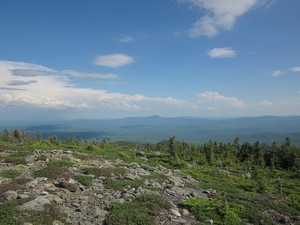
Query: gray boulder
[
  {"x": 36, "y": 204},
  {"x": 10, "y": 195}
]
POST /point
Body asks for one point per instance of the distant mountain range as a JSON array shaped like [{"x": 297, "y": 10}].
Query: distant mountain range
[{"x": 154, "y": 129}]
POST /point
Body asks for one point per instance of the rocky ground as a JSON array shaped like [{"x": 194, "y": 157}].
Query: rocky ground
[{"x": 87, "y": 205}]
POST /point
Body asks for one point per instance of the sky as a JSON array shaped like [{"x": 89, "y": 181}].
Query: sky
[{"x": 75, "y": 59}]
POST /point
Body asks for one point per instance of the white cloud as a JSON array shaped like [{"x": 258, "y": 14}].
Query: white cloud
[
  {"x": 265, "y": 103},
  {"x": 114, "y": 60},
  {"x": 215, "y": 97},
  {"x": 50, "y": 91},
  {"x": 37, "y": 73},
  {"x": 21, "y": 82},
  {"x": 221, "y": 52},
  {"x": 126, "y": 39},
  {"x": 295, "y": 69},
  {"x": 218, "y": 15},
  {"x": 277, "y": 73}
]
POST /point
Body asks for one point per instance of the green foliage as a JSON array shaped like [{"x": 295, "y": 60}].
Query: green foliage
[
  {"x": 272, "y": 180},
  {"x": 55, "y": 169},
  {"x": 10, "y": 214},
  {"x": 158, "y": 177},
  {"x": 85, "y": 180},
  {"x": 119, "y": 185},
  {"x": 15, "y": 160},
  {"x": 10, "y": 173},
  {"x": 106, "y": 172},
  {"x": 294, "y": 200},
  {"x": 138, "y": 212},
  {"x": 60, "y": 163},
  {"x": 218, "y": 210}
]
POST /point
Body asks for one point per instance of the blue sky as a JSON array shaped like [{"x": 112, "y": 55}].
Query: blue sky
[{"x": 114, "y": 58}]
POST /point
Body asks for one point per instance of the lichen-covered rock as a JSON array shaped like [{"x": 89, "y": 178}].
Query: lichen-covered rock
[
  {"x": 36, "y": 204},
  {"x": 10, "y": 195}
]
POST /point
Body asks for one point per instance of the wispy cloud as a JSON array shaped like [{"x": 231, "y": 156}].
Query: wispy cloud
[
  {"x": 21, "y": 82},
  {"x": 221, "y": 52},
  {"x": 12, "y": 89},
  {"x": 295, "y": 69},
  {"x": 218, "y": 15},
  {"x": 265, "y": 103},
  {"x": 125, "y": 39},
  {"x": 114, "y": 60},
  {"x": 38, "y": 73},
  {"x": 215, "y": 97},
  {"x": 277, "y": 73}
]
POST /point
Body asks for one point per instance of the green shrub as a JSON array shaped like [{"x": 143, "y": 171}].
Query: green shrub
[
  {"x": 219, "y": 210},
  {"x": 10, "y": 214},
  {"x": 159, "y": 177},
  {"x": 15, "y": 160},
  {"x": 106, "y": 172},
  {"x": 294, "y": 200},
  {"x": 119, "y": 185},
  {"x": 55, "y": 169},
  {"x": 139, "y": 212},
  {"x": 85, "y": 180},
  {"x": 10, "y": 174},
  {"x": 53, "y": 173},
  {"x": 41, "y": 158},
  {"x": 60, "y": 163}
]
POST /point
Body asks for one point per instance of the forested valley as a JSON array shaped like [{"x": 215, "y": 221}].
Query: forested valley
[{"x": 255, "y": 183}]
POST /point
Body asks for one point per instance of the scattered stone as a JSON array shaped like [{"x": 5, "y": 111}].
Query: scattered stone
[
  {"x": 98, "y": 212},
  {"x": 180, "y": 221},
  {"x": 57, "y": 222},
  {"x": 21, "y": 196},
  {"x": 209, "y": 221},
  {"x": 76, "y": 205},
  {"x": 90, "y": 205},
  {"x": 175, "y": 212},
  {"x": 210, "y": 192},
  {"x": 32, "y": 183}
]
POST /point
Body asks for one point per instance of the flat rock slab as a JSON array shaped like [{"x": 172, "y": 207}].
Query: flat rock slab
[{"x": 36, "y": 204}]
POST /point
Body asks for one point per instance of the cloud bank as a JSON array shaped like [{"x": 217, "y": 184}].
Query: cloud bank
[{"x": 215, "y": 97}]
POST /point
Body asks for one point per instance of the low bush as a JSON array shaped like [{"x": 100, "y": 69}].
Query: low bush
[
  {"x": 106, "y": 172},
  {"x": 85, "y": 180},
  {"x": 10, "y": 174},
  {"x": 10, "y": 214},
  {"x": 119, "y": 185},
  {"x": 219, "y": 210},
  {"x": 139, "y": 212},
  {"x": 13, "y": 185},
  {"x": 55, "y": 170},
  {"x": 15, "y": 160}
]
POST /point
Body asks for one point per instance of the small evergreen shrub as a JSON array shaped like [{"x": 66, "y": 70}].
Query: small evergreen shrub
[
  {"x": 106, "y": 172},
  {"x": 219, "y": 210},
  {"x": 55, "y": 170},
  {"x": 139, "y": 212},
  {"x": 85, "y": 180},
  {"x": 10, "y": 174}
]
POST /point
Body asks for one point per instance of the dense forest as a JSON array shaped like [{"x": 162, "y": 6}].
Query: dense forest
[{"x": 251, "y": 177}]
